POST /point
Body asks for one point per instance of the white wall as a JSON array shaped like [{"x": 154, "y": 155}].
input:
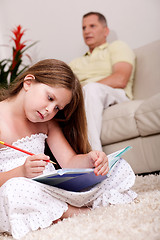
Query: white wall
[{"x": 57, "y": 24}]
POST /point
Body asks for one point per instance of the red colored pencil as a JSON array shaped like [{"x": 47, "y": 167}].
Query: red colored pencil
[{"x": 21, "y": 150}]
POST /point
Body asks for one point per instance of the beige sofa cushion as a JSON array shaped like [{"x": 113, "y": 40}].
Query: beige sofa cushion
[
  {"x": 119, "y": 123},
  {"x": 131, "y": 119},
  {"x": 148, "y": 116}
]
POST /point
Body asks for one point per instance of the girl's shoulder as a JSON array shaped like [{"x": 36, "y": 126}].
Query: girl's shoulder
[
  {"x": 3, "y": 125},
  {"x": 2, "y": 106},
  {"x": 52, "y": 125},
  {"x": 3, "y": 113},
  {"x": 54, "y": 128},
  {"x": 4, "y": 110}
]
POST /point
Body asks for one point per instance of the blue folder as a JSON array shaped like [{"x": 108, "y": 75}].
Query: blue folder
[{"x": 79, "y": 179}]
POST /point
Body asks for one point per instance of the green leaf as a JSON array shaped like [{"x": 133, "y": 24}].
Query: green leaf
[
  {"x": 3, "y": 75},
  {"x": 10, "y": 67},
  {"x": 29, "y": 46}
]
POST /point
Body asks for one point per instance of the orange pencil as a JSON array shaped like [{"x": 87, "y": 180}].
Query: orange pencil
[{"x": 21, "y": 150}]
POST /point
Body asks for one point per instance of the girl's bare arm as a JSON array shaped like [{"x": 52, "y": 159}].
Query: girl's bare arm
[
  {"x": 5, "y": 176},
  {"x": 33, "y": 166},
  {"x": 66, "y": 156}
]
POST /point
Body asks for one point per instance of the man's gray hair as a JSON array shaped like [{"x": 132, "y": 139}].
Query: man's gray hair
[{"x": 100, "y": 16}]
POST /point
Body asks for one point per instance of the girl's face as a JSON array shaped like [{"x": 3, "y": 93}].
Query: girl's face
[{"x": 42, "y": 102}]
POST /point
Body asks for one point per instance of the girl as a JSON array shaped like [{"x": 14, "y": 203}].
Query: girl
[{"x": 46, "y": 103}]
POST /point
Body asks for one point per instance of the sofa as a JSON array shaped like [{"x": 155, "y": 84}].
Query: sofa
[{"x": 136, "y": 123}]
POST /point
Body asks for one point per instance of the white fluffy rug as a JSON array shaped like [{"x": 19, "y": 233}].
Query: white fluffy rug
[{"x": 139, "y": 220}]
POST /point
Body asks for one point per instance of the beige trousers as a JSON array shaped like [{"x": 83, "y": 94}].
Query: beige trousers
[{"x": 98, "y": 97}]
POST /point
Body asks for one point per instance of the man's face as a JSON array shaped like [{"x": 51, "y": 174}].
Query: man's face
[{"x": 94, "y": 32}]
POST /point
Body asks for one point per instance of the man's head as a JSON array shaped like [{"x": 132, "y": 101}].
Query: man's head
[{"x": 95, "y": 29}]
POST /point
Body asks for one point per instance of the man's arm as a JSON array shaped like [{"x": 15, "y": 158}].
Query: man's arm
[{"x": 120, "y": 76}]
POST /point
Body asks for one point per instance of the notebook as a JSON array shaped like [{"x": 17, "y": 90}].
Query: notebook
[{"x": 79, "y": 179}]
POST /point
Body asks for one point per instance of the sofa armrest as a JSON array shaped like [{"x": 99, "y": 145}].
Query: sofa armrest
[{"x": 118, "y": 123}]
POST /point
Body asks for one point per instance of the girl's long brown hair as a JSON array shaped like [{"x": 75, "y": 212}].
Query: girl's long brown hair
[{"x": 72, "y": 118}]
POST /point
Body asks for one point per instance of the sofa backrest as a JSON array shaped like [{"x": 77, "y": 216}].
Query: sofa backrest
[{"x": 147, "y": 74}]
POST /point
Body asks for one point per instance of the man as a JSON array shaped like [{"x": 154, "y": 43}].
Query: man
[{"x": 105, "y": 71}]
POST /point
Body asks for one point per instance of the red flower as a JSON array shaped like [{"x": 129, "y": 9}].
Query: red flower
[
  {"x": 11, "y": 68},
  {"x": 17, "y": 54},
  {"x": 18, "y": 33}
]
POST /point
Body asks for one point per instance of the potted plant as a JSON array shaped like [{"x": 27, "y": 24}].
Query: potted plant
[{"x": 11, "y": 68}]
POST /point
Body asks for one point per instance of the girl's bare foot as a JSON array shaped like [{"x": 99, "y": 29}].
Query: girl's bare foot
[
  {"x": 74, "y": 211},
  {"x": 71, "y": 212}
]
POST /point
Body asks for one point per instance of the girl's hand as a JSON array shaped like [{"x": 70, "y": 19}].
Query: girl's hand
[
  {"x": 34, "y": 165},
  {"x": 100, "y": 162}
]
